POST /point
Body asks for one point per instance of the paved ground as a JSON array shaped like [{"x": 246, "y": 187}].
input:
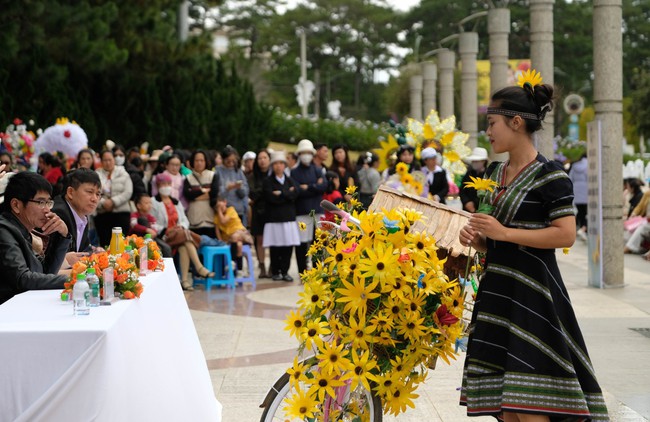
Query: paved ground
[{"x": 246, "y": 349}]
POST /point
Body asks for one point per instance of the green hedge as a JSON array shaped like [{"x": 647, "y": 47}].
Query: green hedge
[{"x": 357, "y": 135}]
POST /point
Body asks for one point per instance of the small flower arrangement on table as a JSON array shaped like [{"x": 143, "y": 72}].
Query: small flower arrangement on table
[
  {"x": 377, "y": 311},
  {"x": 125, "y": 268}
]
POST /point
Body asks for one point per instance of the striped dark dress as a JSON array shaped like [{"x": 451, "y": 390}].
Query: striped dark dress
[{"x": 526, "y": 353}]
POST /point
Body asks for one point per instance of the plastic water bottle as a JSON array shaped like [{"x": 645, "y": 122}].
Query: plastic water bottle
[
  {"x": 129, "y": 250},
  {"x": 80, "y": 295},
  {"x": 144, "y": 255},
  {"x": 109, "y": 286},
  {"x": 93, "y": 283}
]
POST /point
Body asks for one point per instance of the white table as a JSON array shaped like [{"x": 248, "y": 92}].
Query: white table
[{"x": 137, "y": 360}]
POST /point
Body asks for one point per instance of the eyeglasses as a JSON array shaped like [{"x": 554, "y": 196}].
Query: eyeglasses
[{"x": 42, "y": 203}]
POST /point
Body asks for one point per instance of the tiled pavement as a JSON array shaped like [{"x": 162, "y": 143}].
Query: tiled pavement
[{"x": 246, "y": 348}]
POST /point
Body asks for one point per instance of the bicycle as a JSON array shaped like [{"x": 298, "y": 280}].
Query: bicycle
[{"x": 396, "y": 356}]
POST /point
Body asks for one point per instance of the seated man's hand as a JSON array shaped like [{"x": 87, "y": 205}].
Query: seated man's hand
[
  {"x": 73, "y": 257},
  {"x": 54, "y": 224}
]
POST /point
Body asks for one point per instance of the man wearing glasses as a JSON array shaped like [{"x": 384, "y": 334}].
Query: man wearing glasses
[{"x": 28, "y": 206}]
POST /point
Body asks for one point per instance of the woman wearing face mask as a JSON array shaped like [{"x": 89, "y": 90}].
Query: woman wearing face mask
[
  {"x": 478, "y": 163},
  {"x": 136, "y": 175},
  {"x": 169, "y": 212},
  {"x": 311, "y": 187},
  {"x": 173, "y": 170},
  {"x": 113, "y": 209}
]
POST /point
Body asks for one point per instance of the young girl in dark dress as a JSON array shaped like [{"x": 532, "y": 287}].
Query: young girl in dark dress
[{"x": 526, "y": 358}]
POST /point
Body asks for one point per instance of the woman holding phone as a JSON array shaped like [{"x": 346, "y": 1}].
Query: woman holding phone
[{"x": 232, "y": 182}]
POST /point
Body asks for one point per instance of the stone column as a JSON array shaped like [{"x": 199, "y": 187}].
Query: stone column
[
  {"x": 468, "y": 49},
  {"x": 416, "y": 97},
  {"x": 446, "y": 64},
  {"x": 608, "y": 104},
  {"x": 498, "y": 30},
  {"x": 541, "y": 57},
  {"x": 430, "y": 78}
]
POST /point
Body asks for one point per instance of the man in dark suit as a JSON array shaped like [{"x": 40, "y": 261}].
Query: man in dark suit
[{"x": 79, "y": 199}]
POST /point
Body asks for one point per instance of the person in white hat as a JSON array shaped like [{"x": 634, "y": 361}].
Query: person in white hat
[
  {"x": 477, "y": 164},
  {"x": 248, "y": 159},
  {"x": 281, "y": 230},
  {"x": 311, "y": 187},
  {"x": 437, "y": 185}
]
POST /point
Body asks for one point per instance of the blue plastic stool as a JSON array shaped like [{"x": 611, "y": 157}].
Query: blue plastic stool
[
  {"x": 216, "y": 258},
  {"x": 246, "y": 250}
]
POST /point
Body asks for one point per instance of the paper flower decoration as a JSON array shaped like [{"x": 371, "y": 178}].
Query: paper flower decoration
[{"x": 65, "y": 136}]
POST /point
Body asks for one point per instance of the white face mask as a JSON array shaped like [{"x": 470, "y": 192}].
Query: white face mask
[
  {"x": 478, "y": 166},
  {"x": 165, "y": 191},
  {"x": 306, "y": 158},
  {"x": 119, "y": 160}
]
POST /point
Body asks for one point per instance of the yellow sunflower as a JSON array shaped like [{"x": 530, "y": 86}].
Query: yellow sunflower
[
  {"x": 401, "y": 398},
  {"x": 411, "y": 327},
  {"x": 530, "y": 76},
  {"x": 385, "y": 152},
  {"x": 360, "y": 370},
  {"x": 379, "y": 264},
  {"x": 313, "y": 331},
  {"x": 324, "y": 383},
  {"x": 301, "y": 405},
  {"x": 401, "y": 168},
  {"x": 302, "y": 226},
  {"x": 297, "y": 373},
  {"x": 294, "y": 323},
  {"x": 381, "y": 321},
  {"x": 358, "y": 334},
  {"x": 454, "y": 299},
  {"x": 350, "y": 189},
  {"x": 356, "y": 294},
  {"x": 481, "y": 184},
  {"x": 332, "y": 358},
  {"x": 313, "y": 296}
]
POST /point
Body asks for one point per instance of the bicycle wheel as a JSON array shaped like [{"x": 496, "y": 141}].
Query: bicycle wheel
[{"x": 273, "y": 402}]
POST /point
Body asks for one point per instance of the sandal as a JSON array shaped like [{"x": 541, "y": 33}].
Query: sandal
[
  {"x": 205, "y": 273},
  {"x": 187, "y": 285}
]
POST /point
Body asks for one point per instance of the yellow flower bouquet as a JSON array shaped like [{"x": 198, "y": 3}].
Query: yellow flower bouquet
[{"x": 377, "y": 311}]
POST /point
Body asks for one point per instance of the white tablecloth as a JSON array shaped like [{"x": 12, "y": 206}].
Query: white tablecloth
[{"x": 137, "y": 360}]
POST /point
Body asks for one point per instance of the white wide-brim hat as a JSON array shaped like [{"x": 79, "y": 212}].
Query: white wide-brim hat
[
  {"x": 278, "y": 156},
  {"x": 478, "y": 154},
  {"x": 305, "y": 146}
]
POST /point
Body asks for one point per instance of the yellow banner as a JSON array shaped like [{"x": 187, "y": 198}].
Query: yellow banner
[{"x": 516, "y": 67}]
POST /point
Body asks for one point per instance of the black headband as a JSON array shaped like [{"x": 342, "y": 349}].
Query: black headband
[{"x": 512, "y": 113}]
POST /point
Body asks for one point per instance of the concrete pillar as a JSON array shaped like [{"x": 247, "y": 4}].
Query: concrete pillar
[
  {"x": 498, "y": 30},
  {"x": 608, "y": 104},
  {"x": 430, "y": 78},
  {"x": 468, "y": 50},
  {"x": 446, "y": 65},
  {"x": 541, "y": 57},
  {"x": 415, "y": 90}
]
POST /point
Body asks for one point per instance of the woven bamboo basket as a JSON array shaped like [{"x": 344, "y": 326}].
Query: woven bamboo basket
[{"x": 441, "y": 222}]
